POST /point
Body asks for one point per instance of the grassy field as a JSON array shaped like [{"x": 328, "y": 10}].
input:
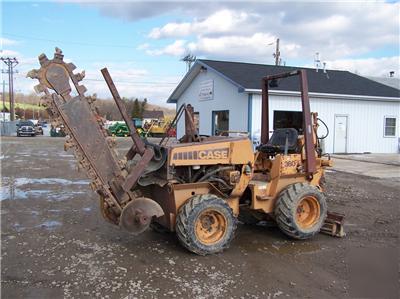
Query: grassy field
[{"x": 25, "y": 106}]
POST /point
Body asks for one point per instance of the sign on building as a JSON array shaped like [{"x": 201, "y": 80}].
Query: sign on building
[{"x": 206, "y": 91}]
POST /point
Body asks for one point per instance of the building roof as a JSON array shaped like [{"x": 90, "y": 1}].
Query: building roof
[
  {"x": 247, "y": 76},
  {"x": 153, "y": 114},
  {"x": 389, "y": 81}
]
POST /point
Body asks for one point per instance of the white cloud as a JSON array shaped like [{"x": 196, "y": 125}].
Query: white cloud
[
  {"x": 177, "y": 48},
  {"x": 222, "y": 21},
  {"x": 252, "y": 47},
  {"x": 10, "y": 53},
  {"x": 376, "y": 67},
  {"x": 7, "y": 42},
  {"x": 156, "y": 93},
  {"x": 233, "y": 30}
]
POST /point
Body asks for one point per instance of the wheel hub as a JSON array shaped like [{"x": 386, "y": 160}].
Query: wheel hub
[
  {"x": 210, "y": 227},
  {"x": 307, "y": 212}
]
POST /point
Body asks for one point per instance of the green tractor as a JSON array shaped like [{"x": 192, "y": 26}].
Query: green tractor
[{"x": 119, "y": 130}]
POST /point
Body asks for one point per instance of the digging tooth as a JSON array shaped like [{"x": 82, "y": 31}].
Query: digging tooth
[
  {"x": 91, "y": 173},
  {"x": 45, "y": 101},
  {"x": 81, "y": 89},
  {"x": 104, "y": 132},
  {"x": 39, "y": 88},
  {"x": 78, "y": 155},
  {"x": 122, "y": 162},
  {"x": 111, "y": 142},
  {"x": 69, "y": 143},
  {"x": 58, "y": 56},
  {"x": 96, "y": 185},
  {"x": 43, "y": 60},
  {"x": 93, "y": 186},
  {"x": 79, "y": 76},
  {"x": 90, "y": 99},
  {"x": 70, "y": 66},
  {"x": 33, "y": 74}
]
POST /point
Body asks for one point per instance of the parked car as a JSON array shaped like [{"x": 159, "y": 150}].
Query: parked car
[
  {"x": 43, "y": 123},
  {"x": 57, "y": 131},
  {"x": 38, "y": 129},
  {"x": 26, "y": 128}
]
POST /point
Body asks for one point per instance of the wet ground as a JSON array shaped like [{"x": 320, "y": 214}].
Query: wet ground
[{"x": 55, "y": 243}]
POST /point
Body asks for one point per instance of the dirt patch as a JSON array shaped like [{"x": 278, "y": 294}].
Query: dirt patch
[{"x": 56, "y": 244}]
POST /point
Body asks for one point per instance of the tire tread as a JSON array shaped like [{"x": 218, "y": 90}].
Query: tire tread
[{"x": 285, "y": 210}]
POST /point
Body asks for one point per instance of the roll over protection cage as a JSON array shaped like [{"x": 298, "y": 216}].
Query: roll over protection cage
[{"x": 310, "y": 163}]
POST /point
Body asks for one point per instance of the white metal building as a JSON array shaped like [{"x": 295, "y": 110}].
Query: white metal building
[{"x": 362, "y": 115}]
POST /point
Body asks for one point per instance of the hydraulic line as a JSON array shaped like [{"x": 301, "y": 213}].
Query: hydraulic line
[{"x": 211, "y": 173}]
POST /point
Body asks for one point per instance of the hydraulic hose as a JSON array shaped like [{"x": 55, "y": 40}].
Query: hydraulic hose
[
  {"x": 211, "y": 173},
  {"x": 326, "y": 127}
]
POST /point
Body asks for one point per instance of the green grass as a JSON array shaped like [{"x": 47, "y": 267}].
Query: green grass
[{"x": 24, "y": 106}]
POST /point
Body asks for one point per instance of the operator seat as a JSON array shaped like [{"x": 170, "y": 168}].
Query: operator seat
[{"x": 276, "y": 143}]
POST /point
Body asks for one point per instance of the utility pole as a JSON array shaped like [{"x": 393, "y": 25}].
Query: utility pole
[
  {"x": 10, "y": 62},
  {"x": 4, "y": 100},
  {"x": 277, "y": 53}
]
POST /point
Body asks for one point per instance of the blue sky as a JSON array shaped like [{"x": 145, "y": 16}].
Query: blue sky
[{"x": 141, "y": 42}]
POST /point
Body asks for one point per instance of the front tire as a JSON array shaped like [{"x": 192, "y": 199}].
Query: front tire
[
  {"x": 205, "y": 224},
  {"x": 300, "y": 211}
]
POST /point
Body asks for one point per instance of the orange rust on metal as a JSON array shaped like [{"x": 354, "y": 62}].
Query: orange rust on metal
[
  {"x": 87, "y": 135},
  {"x": 139, "y": 144},
  {"x": 191, "y": 133},
  {"x": 156, "y": 187}
]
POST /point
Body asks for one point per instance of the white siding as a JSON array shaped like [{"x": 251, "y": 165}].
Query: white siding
[
  {"x": 365, "y": 120},
  {"x": 226, "y": 97}
]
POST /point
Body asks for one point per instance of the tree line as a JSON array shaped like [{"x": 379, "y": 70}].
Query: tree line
[
  {"x": 105, "y": 107},
  {"x": 108, "y": 109}
]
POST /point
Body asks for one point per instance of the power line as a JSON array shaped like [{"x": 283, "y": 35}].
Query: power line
[
  {"x": 68, "y": 42},
  {"x": 138, "y": 82},
  {"x": 126, "y": 82}
]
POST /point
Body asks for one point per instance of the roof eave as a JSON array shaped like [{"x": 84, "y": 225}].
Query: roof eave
[
  {"x": 188, "y": 78},
  {"x": 325, "y": 95},
  {"x": 240, "y": 87},
  {"x": 181, "y": 87}
]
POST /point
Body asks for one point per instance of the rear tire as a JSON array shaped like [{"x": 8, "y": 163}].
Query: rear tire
[
  {"x": 205, "y": 224},
  {"x": 300, "y": 211}
]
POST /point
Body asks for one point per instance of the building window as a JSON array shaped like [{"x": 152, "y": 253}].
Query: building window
[
  {"x": 220, "y": 122},
  {"x": 288, "y": 119},
  {"x": 390, "y": 126}
]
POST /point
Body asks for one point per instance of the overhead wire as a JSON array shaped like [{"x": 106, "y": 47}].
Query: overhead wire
[{"x": 68, "y": 42}]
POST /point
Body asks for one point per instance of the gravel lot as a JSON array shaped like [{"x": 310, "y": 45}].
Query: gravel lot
[{"x": 54, "y": 242}]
